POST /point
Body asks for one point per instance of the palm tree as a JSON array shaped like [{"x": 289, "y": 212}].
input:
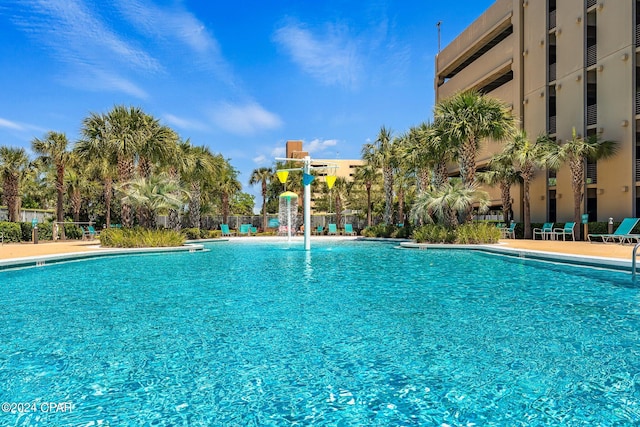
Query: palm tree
[
  {"x": 153, "y": 195},
  {"x": 262, "y": 176},
  {"x": 13, "y": 166},
  {"x": 53, "y": 151},
  {"x": 380, "y": 154},
  {"x": 576, "y": 152},
  {"x": 466, "y": 119},
  {"x": 200, "y": 167},
  {"x": 503, "y": 174},
  {"x": 339, "y": 195},
  {"x": 448, "y": 204},
  {"x": 367, "y": 174},
  {"x": 526, "y": 157},
  {"x": 227, "y": 186}
]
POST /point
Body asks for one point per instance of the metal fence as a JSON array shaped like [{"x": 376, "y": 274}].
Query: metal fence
[{"x": 27, "y": 215}]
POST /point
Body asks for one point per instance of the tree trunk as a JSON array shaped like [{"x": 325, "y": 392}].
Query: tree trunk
[
  {"x": 173, "y": 220},
  {"x": 401, "y": 205},
  {"x": 440, "y": 175},
  {"x": 577, "y": 185},
  {"x": 388, "y": 194},
  {"x": 125, "y": 172},
  {"x": 194, "y": 205},
  {"x": 505, "y": 195},
  {"x": 108, "y": 191},
  {"x": 368, "y": 204},
  {"x": 60, "y": 191},
  {"x": 264, "y": 205}
]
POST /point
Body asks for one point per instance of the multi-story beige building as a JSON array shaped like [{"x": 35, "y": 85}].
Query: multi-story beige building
[{"x": 560, "y": 64}]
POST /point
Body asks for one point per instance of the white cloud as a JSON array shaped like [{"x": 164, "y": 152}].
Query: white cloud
[
  {"x": 4, "y": 123},
  {"x": 247, "y": 119},
  {"x": 317, "y": 146},
  {"x": 259, "y": 160},
  {"x": 182, "y": 123},
  {"x": 279, "y": 151},
  {"x": 333, "y": 58}
]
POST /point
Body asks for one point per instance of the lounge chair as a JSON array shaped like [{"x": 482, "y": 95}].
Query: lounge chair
[
  {"x": 348, "y": 230},
  {"x": 509, "y": 231},
  {"x": 245, "y": 230},
  {"x": 90, "y": 233},
  {"x": 568, "y": 230},
  {"x": 544, "y": 232},
  {"x": 319, "y": 230},
  {"x": 622, "y": 233},
  {"x": 225, "y": 230},
  {"x": 254, "y": 230},
  {"x": 333, "y": 230}
]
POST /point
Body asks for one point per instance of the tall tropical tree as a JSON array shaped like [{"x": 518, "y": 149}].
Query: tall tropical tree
[
  {"x": 466, "y": 119},
  {"x": 527, "y": 156},
  {"x": 368, "y": 175},
  {"x": 13, "y": 166},
  {"x": 262, "y": 176},
  {"x": 503, "y": 174},
  {"x": 380, "y": 154},
  {"x": 201, "y": 166},
  {"x": 53, "y": 149},
  {"x": 227, "y": 185},
  {"x": 576, "y": 152}
]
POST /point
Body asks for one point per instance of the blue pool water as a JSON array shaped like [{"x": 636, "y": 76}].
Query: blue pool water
[{"x": 350, "y": 334}]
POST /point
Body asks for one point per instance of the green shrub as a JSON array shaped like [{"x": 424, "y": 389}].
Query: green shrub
[
  {"x": 191, "y": 233},
  {"x": 25, "y": 231},
  {"x": 402, "y": 232},
  {"x": 72, "y": 231},
  {"x": 434, "y": 233},
  {"x": 11, "y": 231},
  {"x": 474, "y": 233},
  {"x": 140, "y": 238},
  {"x": 214, "y": 234},
  {"x": 380, "y": 230}
]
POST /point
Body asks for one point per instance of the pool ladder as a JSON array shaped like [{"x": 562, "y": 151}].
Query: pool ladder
[{"x": 633, "y": 261}]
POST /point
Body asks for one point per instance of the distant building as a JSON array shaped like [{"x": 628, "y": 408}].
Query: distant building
[{"x": 560, "y": 64}]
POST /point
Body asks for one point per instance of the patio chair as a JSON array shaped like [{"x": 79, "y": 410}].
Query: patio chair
[
  {"x": 225, "y": 230},
  {"x": 544, "y": 232},
  {"x": 90, "y": 232},
  {"x": 621, "y": 234},
  {"x": 333, "y": 230},
  {"x": 348, "y": 230},
  {"x": 319, "y": 230},
  {"x": 254, "y": 230},
  {"x": 568, "y": 230},
  {"x": 245, "y": 230},
  {"x": 509, "y": 231}
]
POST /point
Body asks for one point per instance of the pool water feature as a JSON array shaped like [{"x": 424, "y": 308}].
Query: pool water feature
[{"x": 350, "y": 333}]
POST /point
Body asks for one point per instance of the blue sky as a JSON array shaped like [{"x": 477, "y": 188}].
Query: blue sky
[{"x": 239, "y": 76}]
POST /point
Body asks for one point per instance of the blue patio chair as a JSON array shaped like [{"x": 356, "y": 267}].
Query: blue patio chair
[
  {"x": 90, "y": 232},
  {"x": 245, "y": 229},
  {"x": 319, "y": 230},
  {"x": 225, "y": 230},
  {"x": 568, "y": 230},
  {"x": 348, "y": 230},
  {"x": 254, "y": 230},
  {"x": 622, "y": 233},
  {"x": 333, "y": 230},
  {"x": 544, "y": 232},
  {"x": 509, "y": 231}
]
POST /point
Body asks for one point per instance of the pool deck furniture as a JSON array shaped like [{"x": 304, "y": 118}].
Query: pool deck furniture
[
  {"x": 545, "y": 232},
  {"x": 622, "y": 233},
  {"x": 254, "y": 230},
  {"x": 348, "y": 230},
  {"x": 568, "y": 230},
  {"x": 225, "y": 230},
  {"x": 319, "y": 230},
  {"x": 509, "y": 232},
  {"x": 245, "y": 230},
  {"x": 333, "y": 230},
  {"x": 90, "y": 233}
]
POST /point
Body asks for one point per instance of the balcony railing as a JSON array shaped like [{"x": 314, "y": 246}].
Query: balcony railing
[
  {"x": 592, "y": 114},
  {"x": 592, "y": 173},
  {"x": 591, "y": 3},
  {"x": 592, "y": 55},
  {"x": 637, "y": 102},
  {"x": 552, "y": 72},
  {"x": 638, "y": 35},
  {"x": 552, "y": 124},
  {"x": 637, "y": 168},
  {"x": 552, "y": 19}
]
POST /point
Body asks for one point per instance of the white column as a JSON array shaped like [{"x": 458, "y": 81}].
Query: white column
[{"x": 307, "y": 206}]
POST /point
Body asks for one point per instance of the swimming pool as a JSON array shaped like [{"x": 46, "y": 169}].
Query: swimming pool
[{"x": 351, "y": 333}]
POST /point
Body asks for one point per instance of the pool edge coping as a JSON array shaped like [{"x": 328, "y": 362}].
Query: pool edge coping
[
  {"x": 42, "y": 260},
  {"x": 581, "y": 260}
]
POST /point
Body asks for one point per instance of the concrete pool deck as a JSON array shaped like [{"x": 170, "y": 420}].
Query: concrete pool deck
[{"x": 611, "y": 250}]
